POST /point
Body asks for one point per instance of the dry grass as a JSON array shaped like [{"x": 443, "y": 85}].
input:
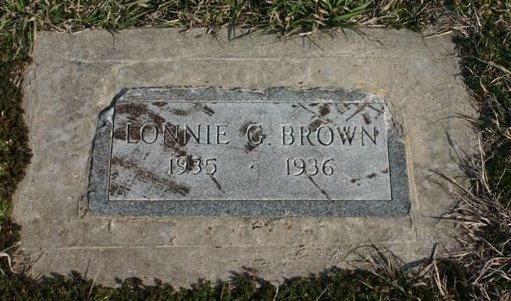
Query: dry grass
[
  {"x": 483, "y": 210},
  {"x": 485, "y": 225}
]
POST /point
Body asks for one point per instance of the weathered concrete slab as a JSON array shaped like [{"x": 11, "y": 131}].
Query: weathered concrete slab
[
  {"x": 75, "y": 77},
  {"x": 272, "y": 152}
]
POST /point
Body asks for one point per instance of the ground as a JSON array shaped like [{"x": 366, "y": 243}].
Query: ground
[{"x": 481, "y": 270}]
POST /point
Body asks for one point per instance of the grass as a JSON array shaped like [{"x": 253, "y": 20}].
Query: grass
[
  {"x": 481, "y": 270},
  {"x": 14, "y": 151},
  {"x": 384, "y": 281}
]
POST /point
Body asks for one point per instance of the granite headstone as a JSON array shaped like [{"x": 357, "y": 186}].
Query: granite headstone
[{"x": 275, "y": 152}]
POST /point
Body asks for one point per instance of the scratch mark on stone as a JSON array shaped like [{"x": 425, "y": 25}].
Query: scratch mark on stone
[
  {"x": 217, "y": 184},
  {"x": 204, "y": 108},
  {"x": 342, "y": 108},
  {"x": 379, "y": 111},
  {"x": 209, "y": 111},
  {"x": 319, "y": 188},
  {"x": 307, "y": 109},
  {"x": 360, "y": 109}
]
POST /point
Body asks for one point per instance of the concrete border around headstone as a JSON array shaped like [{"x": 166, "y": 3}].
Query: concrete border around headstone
[{"x": 74, "y": 77}]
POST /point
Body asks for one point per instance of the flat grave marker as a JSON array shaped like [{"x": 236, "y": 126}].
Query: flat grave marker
[{"x": 212, "y": 151}]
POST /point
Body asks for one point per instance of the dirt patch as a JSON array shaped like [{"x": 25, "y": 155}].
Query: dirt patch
[
  {"x": 324, "y": 109},
  {"x": 133, "y": 110},
  {"x": 144, "y": 175}
]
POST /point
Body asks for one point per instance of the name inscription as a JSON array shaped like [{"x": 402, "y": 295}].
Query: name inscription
[
  {"x": 167, "y": 133},
  {"x": 150, "y": 133}
]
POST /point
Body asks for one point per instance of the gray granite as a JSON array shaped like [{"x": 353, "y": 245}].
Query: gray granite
[
  {"x": 74, "y": 77},
  {"x": 243, "y": 154}
]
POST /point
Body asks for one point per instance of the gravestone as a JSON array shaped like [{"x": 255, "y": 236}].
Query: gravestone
[
  {"x": 275, "y": 152},
  {"x": 178, "y": 156}
]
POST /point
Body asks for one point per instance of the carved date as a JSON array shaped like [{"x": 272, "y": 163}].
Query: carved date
[
  {"x": 309, "y": 167},
  {"x": 192, "y": 165}
]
